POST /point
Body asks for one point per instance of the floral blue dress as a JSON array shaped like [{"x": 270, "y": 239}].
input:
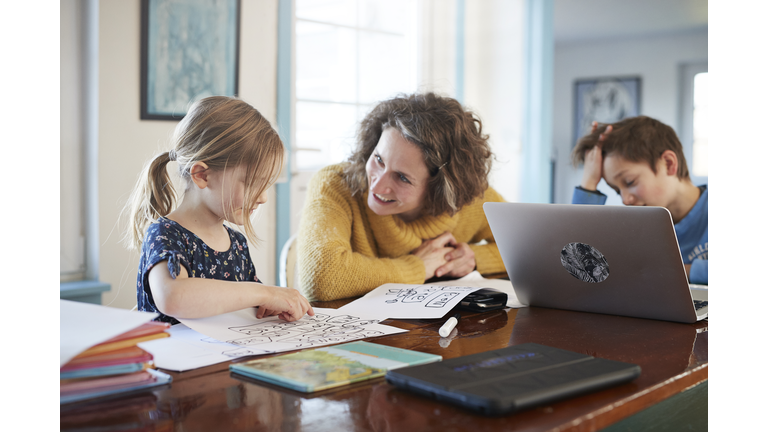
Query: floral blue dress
[{"x": 168, "y": 241}]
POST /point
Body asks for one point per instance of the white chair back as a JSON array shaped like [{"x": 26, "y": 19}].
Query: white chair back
[{"x": 288, "y": 276}]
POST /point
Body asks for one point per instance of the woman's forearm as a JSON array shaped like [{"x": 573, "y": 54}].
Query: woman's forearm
[
  {"x": 488, "y": 258},
  {"x": 340, "y": 273}
]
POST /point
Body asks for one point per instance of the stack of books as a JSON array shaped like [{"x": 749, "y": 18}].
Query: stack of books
[{"x": 116, "y": 366}]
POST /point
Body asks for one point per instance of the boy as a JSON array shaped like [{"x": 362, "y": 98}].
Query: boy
[{"x": 642, "y": 160}]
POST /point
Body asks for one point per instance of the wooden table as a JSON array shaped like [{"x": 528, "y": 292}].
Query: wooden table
[{"x": 673, "y": 358}]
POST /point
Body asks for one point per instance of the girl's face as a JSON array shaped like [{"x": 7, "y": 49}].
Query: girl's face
[
  {"x": 397, "y": 177},
  {"x": 227, "y": 195}
]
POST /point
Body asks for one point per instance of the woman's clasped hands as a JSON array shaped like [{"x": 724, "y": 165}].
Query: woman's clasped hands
[{"x": 444, "y": 256}]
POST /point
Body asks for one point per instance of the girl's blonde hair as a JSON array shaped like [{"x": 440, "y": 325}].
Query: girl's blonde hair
[{"x": 223, "y": 132}]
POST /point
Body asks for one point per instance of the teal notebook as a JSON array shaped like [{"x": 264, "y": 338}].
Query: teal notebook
[{"x": 326, "y": 367}]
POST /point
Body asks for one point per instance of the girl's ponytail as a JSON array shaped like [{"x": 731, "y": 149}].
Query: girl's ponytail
[
  {"x": 152, "y": 197},
  {"x": 223, "y": 132}
]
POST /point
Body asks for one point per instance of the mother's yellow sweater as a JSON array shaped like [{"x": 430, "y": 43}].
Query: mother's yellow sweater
[{"x": 346, "y": 250}]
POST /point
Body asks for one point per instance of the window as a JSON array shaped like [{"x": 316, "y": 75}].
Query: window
[
  {"x": 349, "y": 55},
  {"x": 700, "y": 163},
  {"x": 693, "y": 129}
]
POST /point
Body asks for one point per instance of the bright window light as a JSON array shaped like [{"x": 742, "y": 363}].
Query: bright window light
[
  {"x": 700, "y": 125},
  {"x": 350, "y": 54}
]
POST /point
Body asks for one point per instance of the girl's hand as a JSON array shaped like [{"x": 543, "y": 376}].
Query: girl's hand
[
  {"x": 461, "y": 262},
  {"x": 593, "y": 161},
  {"x": 432, "y": 253},
  {"x": 287, "y": 303}
]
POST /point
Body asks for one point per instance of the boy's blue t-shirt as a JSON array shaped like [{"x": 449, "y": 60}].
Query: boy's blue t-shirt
[
  {"x": 167, "y": 240},
  {"x": 692, "y": 232}
]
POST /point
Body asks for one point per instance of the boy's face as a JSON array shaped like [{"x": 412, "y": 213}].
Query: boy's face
[{"x": 638, "y": 184}]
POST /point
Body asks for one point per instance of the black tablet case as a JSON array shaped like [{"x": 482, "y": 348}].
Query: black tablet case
[
  {"x": 512, "y": 379},
  {"x": 484, "y": 300}
]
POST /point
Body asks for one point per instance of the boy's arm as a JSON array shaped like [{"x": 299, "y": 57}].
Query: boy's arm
[
  {"x": 586, "y": 192},
  {"x": 698, "y": 271},
  {"x": 584, "y": 196},
  {"x": 593, "y": 166}
]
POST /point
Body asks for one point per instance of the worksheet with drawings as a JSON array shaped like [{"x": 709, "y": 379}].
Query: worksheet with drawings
[
  {"x": 403, "y": 301},
  {"x": 247, "y": 333}
]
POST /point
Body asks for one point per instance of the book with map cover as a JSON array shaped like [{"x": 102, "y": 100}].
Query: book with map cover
[{"x": 326, "y": 367}]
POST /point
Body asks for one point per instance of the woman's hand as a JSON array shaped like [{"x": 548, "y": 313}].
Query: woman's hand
[
  {"x": 460, "y": 262},
  {"x": 433, "y": 252},
  {"x": 288, "y": 303},
  {"x": 593, "y": 161}
]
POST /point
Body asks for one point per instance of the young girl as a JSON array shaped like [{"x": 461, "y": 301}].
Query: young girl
[{"x": 191, "y": 264}]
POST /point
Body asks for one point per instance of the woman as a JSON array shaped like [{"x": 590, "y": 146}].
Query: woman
[{"x": 405, "y": 207}]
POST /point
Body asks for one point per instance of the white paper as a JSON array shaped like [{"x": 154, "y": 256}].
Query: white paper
[
  {"x": 224, "y": 337},
  {"x": 404, "y": 301},
  {"x": 476, "y": 279},
  {"x": 187, "y": 349},
  {"x": 84, "y": 325}
]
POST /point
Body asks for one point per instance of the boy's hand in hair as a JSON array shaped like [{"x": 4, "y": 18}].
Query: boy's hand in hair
[{"x": 593, "y": 161}]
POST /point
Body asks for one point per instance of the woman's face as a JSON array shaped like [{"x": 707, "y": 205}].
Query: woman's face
[{"x": 397, "y": 177}]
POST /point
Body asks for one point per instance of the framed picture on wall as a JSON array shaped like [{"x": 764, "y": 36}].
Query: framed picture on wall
[
  {"x": 605, "y": 100},
  {"x": 189, "y": 50}
]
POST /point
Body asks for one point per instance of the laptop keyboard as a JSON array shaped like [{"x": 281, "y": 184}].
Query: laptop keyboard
[{"x": 698, "y": 304}]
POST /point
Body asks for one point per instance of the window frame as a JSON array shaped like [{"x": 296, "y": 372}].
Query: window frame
[{"x": 688, "y": 72}]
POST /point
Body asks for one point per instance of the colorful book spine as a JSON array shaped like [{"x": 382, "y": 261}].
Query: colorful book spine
[
  {"x": 112, "y": 346},
  {"x": 134, "y": 384},
  {"x": 123, "y": 356},
  {"x": 103, "y": 371}
]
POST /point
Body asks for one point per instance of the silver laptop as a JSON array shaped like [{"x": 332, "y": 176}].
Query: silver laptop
[{"x": 595, "y": 258}]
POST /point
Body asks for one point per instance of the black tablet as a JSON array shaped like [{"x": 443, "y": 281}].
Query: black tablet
[{"x": 511, "y": 379}]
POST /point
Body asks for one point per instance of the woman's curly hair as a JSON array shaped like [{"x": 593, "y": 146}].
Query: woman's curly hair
[{"x": 456, "y": 153}]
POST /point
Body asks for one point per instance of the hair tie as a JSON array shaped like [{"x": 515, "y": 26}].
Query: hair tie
[{"x": 172, "y": 155}]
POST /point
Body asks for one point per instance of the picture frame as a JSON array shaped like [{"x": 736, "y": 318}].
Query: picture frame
[
  {"x": 605, "y": 100},
  {"x": 189, "y": 50}
]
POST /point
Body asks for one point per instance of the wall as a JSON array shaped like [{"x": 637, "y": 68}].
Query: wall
[
  {"x": 126, "y": 143},
  {"x": 655, "y": 59}
]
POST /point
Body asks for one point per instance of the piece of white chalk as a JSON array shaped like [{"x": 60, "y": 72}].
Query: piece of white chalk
[{"x": 449, "y": 325}]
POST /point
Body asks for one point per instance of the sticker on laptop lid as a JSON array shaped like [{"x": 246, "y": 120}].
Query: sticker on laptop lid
[{"x": 584, "y": 262}]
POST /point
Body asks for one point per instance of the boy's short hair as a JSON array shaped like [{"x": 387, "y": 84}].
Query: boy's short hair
[{"x": 637, "y": 139}]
